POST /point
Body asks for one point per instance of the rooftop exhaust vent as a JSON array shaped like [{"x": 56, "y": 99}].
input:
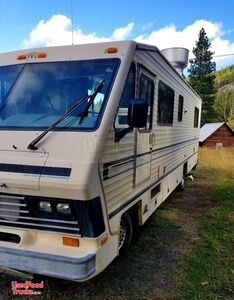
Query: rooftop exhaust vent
[{"x": 178, "y": 57}]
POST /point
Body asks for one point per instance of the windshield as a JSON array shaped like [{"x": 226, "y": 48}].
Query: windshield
[
  {"x": 33, "y": 96},
  {"x": 8, "y": 75}
]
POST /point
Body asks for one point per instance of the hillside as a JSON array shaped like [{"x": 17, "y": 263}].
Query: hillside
[
  {"x": 225, "y": 77},
  {"x": 224, "y": 103}
]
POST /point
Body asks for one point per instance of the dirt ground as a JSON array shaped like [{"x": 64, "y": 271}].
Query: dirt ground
[{"x": 152, "y": 268}]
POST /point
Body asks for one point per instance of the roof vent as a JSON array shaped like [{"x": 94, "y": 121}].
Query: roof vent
[{"x": 178, "y": 57}]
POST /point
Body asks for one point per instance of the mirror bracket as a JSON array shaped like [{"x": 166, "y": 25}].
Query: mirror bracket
[{"x": 121, "y": 133}]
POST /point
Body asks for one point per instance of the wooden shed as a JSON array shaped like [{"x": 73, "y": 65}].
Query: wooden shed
[{"x": 216, "y": 135}]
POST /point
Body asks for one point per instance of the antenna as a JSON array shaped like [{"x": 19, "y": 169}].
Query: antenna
[{"x": 72, "y": 22}]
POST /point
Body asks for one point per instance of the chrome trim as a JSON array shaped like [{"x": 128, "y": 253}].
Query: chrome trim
[
  {"x": 40, "y": 219},
  {"x": 13, "y": 204},
  {"x": 15, "y": 212},
  {"x": 72, "y": 268},
  {"x": 12, "y": 197},
  {"x": 41, "y": 225}
]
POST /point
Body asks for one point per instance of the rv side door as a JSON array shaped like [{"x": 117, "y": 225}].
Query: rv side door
[{"x": 144, "y": 140}]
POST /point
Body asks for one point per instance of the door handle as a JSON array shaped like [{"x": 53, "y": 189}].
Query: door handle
[{"x": 152, "y": 137}]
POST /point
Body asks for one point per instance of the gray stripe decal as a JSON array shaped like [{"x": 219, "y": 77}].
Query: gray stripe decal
[{"x": 112, "y": 214}]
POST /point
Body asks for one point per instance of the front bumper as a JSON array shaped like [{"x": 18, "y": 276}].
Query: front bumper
[{"x": 71, "y": 268}]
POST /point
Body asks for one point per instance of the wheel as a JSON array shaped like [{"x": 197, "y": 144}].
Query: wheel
[
  {"x": 125, "y": 235},
  {"x": 180, "y": 187}
]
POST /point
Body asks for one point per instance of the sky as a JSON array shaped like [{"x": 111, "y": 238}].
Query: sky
[{"x": 163, "y": 23}]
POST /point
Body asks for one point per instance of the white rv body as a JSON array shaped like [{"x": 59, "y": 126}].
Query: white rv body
[{"x": 84, "y": 180}]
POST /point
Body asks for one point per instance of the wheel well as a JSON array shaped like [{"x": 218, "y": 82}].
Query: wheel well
[
  {"x": 134, "y": 213},
  {"x": 185, "y": 169}
]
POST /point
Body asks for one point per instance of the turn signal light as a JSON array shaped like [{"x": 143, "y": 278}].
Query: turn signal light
[
  {"x": 72, "y": 242},
  {"x": 104, "y": 240}
]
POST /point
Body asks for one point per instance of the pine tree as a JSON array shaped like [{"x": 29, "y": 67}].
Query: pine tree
[{"x": 202, "y": 75}]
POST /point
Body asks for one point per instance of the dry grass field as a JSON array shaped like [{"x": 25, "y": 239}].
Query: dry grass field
[{"x": 218, "y": 162}]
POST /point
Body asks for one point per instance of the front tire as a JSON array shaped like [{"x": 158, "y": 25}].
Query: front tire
[
  {"x": 180, "y": 187},
  {"x": 125, "y": 234}
]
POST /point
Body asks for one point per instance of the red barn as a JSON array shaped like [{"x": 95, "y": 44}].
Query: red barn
[{"x": 216, "y": 135}]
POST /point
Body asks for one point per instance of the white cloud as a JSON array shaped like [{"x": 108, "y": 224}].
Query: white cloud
[
  {"x": 147, "y": 26},
  {"x": 169, "y": 36},
  {"x": 122, "y": 32},
  {"x": 55, "y": 31},
  {"x": 220, "y": 47},
  {"x": 58, "y": 31}
]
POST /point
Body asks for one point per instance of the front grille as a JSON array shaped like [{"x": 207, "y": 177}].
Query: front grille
[{"x": 22, "y": 212}]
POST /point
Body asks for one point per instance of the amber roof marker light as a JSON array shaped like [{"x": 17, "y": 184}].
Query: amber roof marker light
[
  {"x": 34, "y": 55},
  {"x": 21, "y": 57},
  {"x": 41, "y": 55},
  {"x": 111, "y": 50}
]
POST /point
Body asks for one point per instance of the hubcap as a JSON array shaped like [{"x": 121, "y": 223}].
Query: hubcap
[{"x": 182, "y": 183}]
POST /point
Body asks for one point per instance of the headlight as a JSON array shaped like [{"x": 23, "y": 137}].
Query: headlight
[
  {"x": 63, "y": 208},
  {"x": 45, "y": 206}
]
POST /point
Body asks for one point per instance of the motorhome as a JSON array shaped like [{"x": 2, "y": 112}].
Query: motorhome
[{"x": 93, "y": 138}]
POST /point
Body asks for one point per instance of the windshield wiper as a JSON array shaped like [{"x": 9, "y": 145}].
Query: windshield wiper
[
  {"x": 32, "y": 145},
  {"x": 91, "y": 100}
]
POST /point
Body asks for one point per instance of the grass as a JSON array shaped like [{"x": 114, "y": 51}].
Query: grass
[
  {"x": 184, "y": 251},
  {"x": 218, "y": 163},
  {"x": 133, "y": 277},
  {"x": 231, "y": 123},
  {"x": 208, "y": 270}
]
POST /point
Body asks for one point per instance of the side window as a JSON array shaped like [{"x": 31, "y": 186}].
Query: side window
[
  {"x": 196, "y": 117},
  {"x": 147, "y": 94},
  {"x": 127, "y": 95},
  {"x": 165, "y": 104},
  {"x": 180, "y": 108}
]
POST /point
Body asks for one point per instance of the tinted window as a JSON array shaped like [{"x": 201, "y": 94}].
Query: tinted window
[
  {"x": 8, "y": 75},
  {"x": 147, "y": 94},
  {"x": 127, "y": 95},
  {"x": 180, "y": 108},
  {"x": 196, "y": 117},
  {"x": 165, "y": 104}
]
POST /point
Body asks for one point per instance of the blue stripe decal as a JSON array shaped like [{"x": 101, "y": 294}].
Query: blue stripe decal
[{"x": 36, "y": 170}]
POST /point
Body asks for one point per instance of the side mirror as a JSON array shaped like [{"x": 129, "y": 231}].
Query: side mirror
[
  {"x": 137, "y": 113},
  {"x": 136, "y": 118}
]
